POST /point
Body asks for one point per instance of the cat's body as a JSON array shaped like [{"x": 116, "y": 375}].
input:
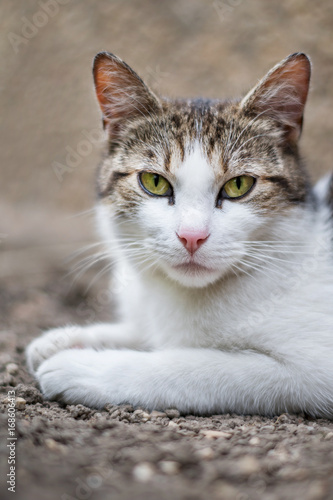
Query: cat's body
[{"x": 227, "y": 305}]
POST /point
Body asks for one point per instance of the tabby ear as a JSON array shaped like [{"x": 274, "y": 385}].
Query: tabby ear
[
  {"x": 282, "y": 94},
  {"x": 121, "y": 93}
]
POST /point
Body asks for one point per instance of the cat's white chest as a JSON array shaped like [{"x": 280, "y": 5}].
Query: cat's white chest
[{"x": 258, "y": 316}]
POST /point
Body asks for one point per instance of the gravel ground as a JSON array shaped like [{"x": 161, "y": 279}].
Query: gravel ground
[
  {"x": 204, "y": 47},
  {"x": 73, "y": 452}
]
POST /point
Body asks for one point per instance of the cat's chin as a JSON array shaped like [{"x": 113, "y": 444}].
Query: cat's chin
[{"x": 193, "y": 275}]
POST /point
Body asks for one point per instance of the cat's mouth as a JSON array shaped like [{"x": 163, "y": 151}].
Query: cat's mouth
[
  {"x": 192, "y": 273},
  {"x": 193, "y": 267}
]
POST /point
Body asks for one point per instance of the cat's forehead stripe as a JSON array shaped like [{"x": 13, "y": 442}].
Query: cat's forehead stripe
[{"x": 197, "y": 121}]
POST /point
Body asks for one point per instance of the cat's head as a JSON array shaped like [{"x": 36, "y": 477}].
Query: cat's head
[{"x": 189, "y": 185}]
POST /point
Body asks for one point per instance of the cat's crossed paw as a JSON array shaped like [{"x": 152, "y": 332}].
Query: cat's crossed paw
[
  {"x": 97, "y": 336},
  {"x": 79, "y": 376},
  {"x": 63, "y": 378},
  {"x": 50, "y": 343}
]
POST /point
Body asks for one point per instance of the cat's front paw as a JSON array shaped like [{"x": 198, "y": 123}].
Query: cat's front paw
[
  {"x": 94, "y": 378},
  {"x": 70, "y": 378},
  {"x": 49, "y": 344}
]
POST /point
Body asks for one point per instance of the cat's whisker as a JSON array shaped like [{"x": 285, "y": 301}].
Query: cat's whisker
[
  {"x": 270, "y": 273},
  {"x": 272, "y": 243},
  {"x": 271, "y": 257},
  {"x": 84, "y": 213},
  {"x": 149, "y": 265},
  {"x": 263, "y": 263},
  {"x": 278, "y": 250},
  {"x": 233, "y": 265},
  {"x": 81, "y": 270},
  {"x": 93, "y": 257},
  {"x": 273, "y": 248},
  {"x": 268, "y": 261},
  {"x": 275, "y": 245},
  {"x": 84, "y": 249},
  {"x": 142, "y": 264},
  {"x": 127, "y": 244},
  {"x": 91, "y": 260},
  {"x": 107, "y": 268}
]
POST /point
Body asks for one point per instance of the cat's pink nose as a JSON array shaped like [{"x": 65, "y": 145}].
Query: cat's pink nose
[{"x": 192, "y": 240}]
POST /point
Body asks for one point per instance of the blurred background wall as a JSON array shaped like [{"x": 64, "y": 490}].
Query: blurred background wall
[{"x": 181, "y": 47}]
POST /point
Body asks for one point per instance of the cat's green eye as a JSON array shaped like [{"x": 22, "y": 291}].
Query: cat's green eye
[
  {"x": 238, "y": 186},
  {"x": 155, "y": 184}
]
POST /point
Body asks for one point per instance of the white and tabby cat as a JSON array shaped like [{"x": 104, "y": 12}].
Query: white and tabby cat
[{"x": 206, "y": 208}]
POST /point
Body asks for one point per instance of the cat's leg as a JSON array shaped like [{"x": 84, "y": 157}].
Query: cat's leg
[
  {"x": 192, "y": 380},
  {"x": 98, "y": 336}
]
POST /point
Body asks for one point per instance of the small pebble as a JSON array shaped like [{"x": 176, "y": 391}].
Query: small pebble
[
  {"x": 254, "y": 441},
  {"x": 20, "y": 403},
  {"x": 173, "y": 425},
  {"x": 205, "y": 454},
  {"x": 12, "y": 368},
  {"x": 53, "y": 445},
  {"x": 143, "y": 472},
  {"x": 211, "y": 434},
  {"x": 328, "y": 436},
  {"x": 172, "y": 413},
  {"x": 169, "y": 467},
  {"x": 158, "y": 414},
  {"x": 115, "y": 414},
  {"x": 267, "y": 428},
  {"x": 103, "y": 423},
  {"x": 248, "y": 465},
  {"x": 142, "y": 415}
]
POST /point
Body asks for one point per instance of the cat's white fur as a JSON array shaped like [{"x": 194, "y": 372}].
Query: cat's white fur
[{"x": 250, "y": 332}]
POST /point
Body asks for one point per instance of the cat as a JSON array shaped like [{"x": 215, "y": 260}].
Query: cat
[{"x": 209, "y": 214}]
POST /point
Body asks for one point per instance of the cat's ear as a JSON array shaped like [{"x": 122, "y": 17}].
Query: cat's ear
[
  {"x": 121, "y": 93},
  {"x": 282, "y": 94}
]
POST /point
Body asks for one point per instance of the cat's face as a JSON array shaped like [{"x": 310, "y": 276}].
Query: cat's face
[{"x": 188, "y": 185}]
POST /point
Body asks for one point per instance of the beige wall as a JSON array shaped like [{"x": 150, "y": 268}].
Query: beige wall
[{"x": 182, "y": 47}]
